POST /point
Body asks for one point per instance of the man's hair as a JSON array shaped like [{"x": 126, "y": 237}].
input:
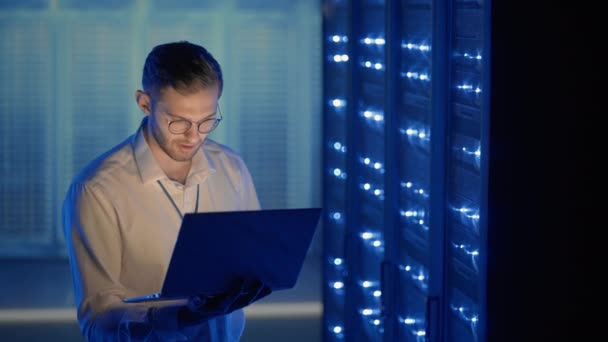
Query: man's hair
[{"x": 184, "y": 66}]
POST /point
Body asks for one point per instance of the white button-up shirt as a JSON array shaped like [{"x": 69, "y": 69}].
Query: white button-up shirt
[{"x": 120, "y": 228}]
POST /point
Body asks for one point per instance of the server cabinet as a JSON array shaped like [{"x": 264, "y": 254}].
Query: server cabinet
[{"x": 404, "y": 178}]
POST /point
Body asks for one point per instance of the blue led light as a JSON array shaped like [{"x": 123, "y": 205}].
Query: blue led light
[
  {"x": 371, "y": 288},
  {"x": 467, "y": 250},
  {"x": 337, "y": 329},
  {"x": 470, "y": 215},
  {"x": 414, "y": 326},
  {"x": 469, "y": 56},
  {"x": 338, "y": 103},
  {"x": 338, "y": 39},
  {"x": 476, "y": 152},
  {"x": 374, "y": 165},
  {"x": 373, "y": 65},
  {"x": 338, "y": 147},
  {"x": 417, "y": 134},
  {"x": 337, "y": 217},
  {"x": 368, "y": 284},
  {"x": 376, "y": 116},
  {"x": 375, "y": 323},
  {"x": 408, "y": 213},
  {"x": 416, "y": 273},
  {"x": 421, "y": 76},
  {"x": 340, "y": 58},
  {"x": 469, "y": 88},
  {"x": 373, "y": 239},
  {"x": 466, "y": 315},
  {"x": 369, "y": 311},
  {"x": 412, "y": 46},
  {"x": 471, "y": 155},
  {"x": 338, "y": 173},
  {"x": 372, "y": 317},
  {"x": 368, "y": 235},
  {"x": 373, "y": 41},
  {"x": 408, "y": 321},
  {"x": 375, "y": 191},
  {"x": 338, "y": 261},
  {"x": 414, "y": 217}
]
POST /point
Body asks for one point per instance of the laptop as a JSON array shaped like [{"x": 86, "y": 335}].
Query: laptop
[{"x": 216, "y": 250}]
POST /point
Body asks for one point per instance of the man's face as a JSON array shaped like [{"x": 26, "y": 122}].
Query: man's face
[{"x": 171, "y": 106}]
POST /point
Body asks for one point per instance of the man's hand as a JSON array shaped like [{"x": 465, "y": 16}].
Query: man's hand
[{"x": 204, "y": 307}]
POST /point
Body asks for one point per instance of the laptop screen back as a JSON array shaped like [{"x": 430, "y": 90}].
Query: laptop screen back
[{"x": 214, "y": 251}]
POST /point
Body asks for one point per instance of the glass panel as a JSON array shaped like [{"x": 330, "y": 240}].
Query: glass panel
[
  {"x": 370, "y": 161},
  {"x": 464, "y": 181},
  {"x": 414, "y": 167}
]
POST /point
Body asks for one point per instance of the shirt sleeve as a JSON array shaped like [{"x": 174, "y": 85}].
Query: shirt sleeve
[{"x": 93, "y": 238}]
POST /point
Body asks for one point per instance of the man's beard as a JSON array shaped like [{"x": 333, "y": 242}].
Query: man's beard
[{"x": 165, "y": 146}]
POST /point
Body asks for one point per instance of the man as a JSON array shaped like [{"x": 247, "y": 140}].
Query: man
[{"x": 122, "y": 213}]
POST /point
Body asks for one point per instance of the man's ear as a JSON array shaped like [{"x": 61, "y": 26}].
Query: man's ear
[{"x": 144, "y": 102}]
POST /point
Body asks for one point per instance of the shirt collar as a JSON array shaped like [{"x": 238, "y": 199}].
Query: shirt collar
[
  {"x": 202, "y": 164},
  {"x": 148, "y": 167}
]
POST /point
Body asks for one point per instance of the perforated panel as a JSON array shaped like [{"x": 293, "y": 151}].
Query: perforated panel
[{"x": 26, "y": 209}]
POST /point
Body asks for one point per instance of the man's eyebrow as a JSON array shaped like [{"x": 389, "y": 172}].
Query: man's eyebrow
[{"x": 182, "y": 118}]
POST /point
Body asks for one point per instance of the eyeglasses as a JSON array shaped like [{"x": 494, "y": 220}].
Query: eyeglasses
[{"x": 181, "y": 126}]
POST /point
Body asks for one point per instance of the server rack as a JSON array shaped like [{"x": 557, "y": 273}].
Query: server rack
[{"x": 404, "y": 171}]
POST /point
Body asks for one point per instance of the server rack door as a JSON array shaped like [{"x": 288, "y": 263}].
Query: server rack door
[
  {"x": 367, "y": 159},
  {"x": 465, "y": 284},
  {"x": 337, "y": 102},
  {"x": 414, "y": 124}
]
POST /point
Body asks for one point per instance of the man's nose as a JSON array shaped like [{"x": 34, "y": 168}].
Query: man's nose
[{"x": 192, "y": 133}]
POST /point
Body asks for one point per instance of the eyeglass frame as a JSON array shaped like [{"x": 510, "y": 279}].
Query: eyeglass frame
[{"x": 198, "y": 127}]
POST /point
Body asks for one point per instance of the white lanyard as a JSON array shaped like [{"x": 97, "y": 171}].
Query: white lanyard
[{"x": 179, "y": 212}]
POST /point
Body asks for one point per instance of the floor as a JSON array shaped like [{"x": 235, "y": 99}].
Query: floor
[
  {"x": 258, "y": 330},
  {"x": 42, "y": 307}
]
